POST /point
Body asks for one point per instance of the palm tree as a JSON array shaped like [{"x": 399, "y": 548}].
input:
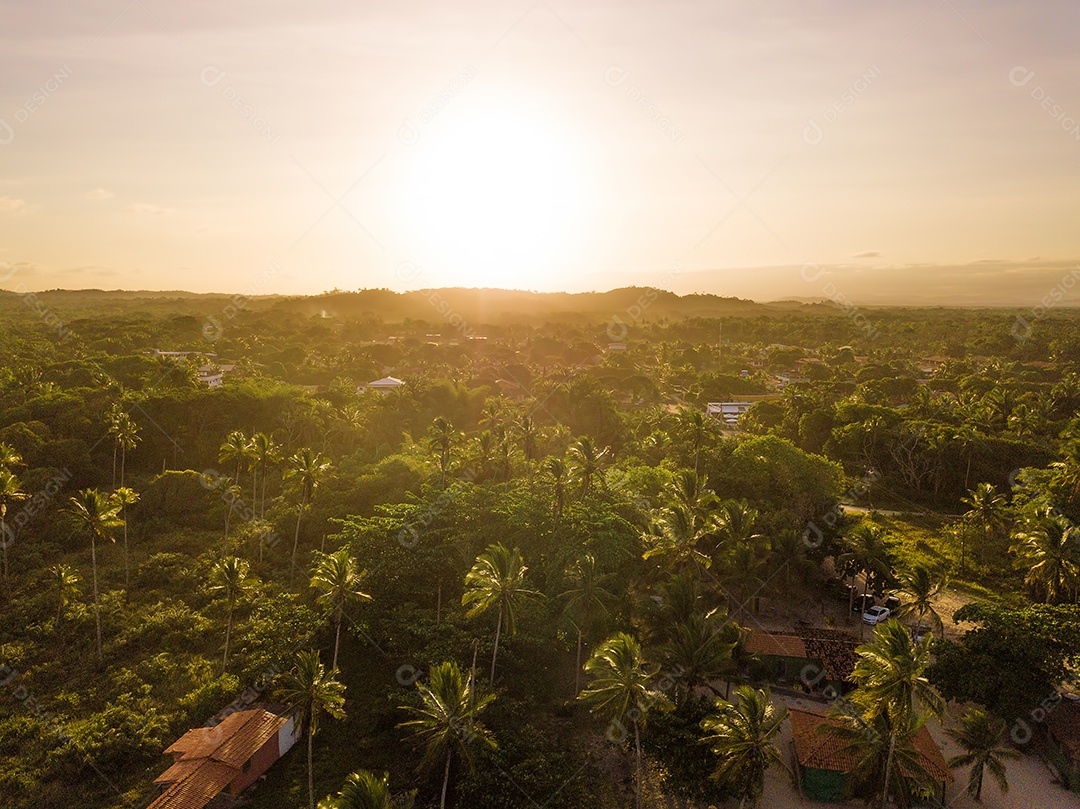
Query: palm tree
[
  {"x": 306, "y": 470},
  {"x": 336, "y": 578},
  {"x": 497, "y": 579},
  {"x": 743, "y": 736},
  {"x": 235, "y": 448},
  {"x": 229, "y": 577},
  {"x": 880, "y": 744},
  {"x": 230, "y": 494},
  {"x": 364, "y": 789},
  {"x": 112, "y": 423},
  {"x": 696, "y": 424},
  {"x": 11, "y": 492},
  {"x": 586, "y": 604},
  {"x": 621, "y": 691},
  {"x": 443, "y": 436},
  {"x": 987, "y": 512},
  {"x": 447, "y": 719},
  {"x": 677, "y": 534},
  {"x": 558, "y": 473},
  {"x": 9, "y": 456},
  {"x": 125, "y": 497},
  {"x": 529, "y": 434},
  {"x": 921, "y": 586},
  {"x": 691, "y": 490},
  {"x": 735, "y": 523},
  {"x": 867, "y": 553},
  {"x": 983, "y": 738},
  {"x": 66, "y": 580},
  {"x": 744, "y": 570},
  {"x": 126, "y": 433},
  {"x": 1050, "y": 550},
  {"x": 889, "y": 673},
  {"x": 311, "y": 690},
  {"x": 94, "y": 514},
  {"x": 263, "y": 452},
  {"x": 787, "y": 558},
  {"x": 701, "y": 650},
  {"x": 586, "y": 463}
]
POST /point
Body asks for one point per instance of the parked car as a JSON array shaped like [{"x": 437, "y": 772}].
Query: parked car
[
  {"x": 875, "y": 615},
  {"x": 863, "y": 602},
  {"x": 892, "y": 603}
]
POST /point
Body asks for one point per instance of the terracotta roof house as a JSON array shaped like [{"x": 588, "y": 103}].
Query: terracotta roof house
[
  {"x": 816, "y": 657},
  {"x": 822, "y": 765},
  {"x": 1063, "y": 730},
  {"x": 212, "y": 765}
]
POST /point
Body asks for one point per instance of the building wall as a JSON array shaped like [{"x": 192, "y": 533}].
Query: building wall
[
  {"x": 823, "y": 785},
  {"x": 263, "y": 759}
]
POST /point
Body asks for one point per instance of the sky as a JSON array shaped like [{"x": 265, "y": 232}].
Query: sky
[{"x": 919, "y": 152}]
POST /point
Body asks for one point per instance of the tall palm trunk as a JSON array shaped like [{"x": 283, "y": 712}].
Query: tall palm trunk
[
  {"x": 337, "y": 635},
  {"x": 123, "y": 458},
  {"x": 4, "y": 542},
  {"x": 577, "y": 670},
  {"x": 296, "y": 538},
  {"x": 228, "y": 635},
  {"x": 115, "y": 446},
  {"x": 637, "y": 774},
  {"x": 97, "y": 606},
  {"x": 127, "y": 567},
  {"x": 445, "y": 781},
  {"x": 888, "y": 769},
  {"x": 310, "y": 775},
  {"x": 495, "y": 651}
]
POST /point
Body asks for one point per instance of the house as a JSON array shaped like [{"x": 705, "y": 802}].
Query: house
[
  {"x": 211, "y": 765},
  {"x": 384, "y": 385},
  {"x": 1063, "y": 739},
  {"x": 822, "y": 765},
  {"x": 817, "y": 658},
  {"x": 728, "y": 412}
]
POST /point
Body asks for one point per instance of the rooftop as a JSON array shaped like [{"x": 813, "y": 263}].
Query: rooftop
[{"x": 818, "y": 749}]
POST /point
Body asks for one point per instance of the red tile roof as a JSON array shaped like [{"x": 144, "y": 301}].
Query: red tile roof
[
  {"x": 765, "y": 643},
  {"x": 824, "y": 751},
  {"x": 208, "y": 759}
]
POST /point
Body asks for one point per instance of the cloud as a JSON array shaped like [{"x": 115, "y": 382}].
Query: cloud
[
  {"x": 868, "y": 254},
  {"x": 146, "y": 208},
  {"x": 99, "y": 193},
  {"x": 11, "y": 205}
]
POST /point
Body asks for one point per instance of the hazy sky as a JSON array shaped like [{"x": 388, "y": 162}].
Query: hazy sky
[{"x": 913, "y": 151}]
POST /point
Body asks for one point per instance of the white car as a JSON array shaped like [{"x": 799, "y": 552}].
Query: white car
[{"x": 875, "y": 615}]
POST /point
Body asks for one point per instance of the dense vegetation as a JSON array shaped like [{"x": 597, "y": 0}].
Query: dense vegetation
[{"x": 540, "y": 536}]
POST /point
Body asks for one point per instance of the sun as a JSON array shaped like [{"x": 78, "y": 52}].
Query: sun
[{"x": 495, "y": 196}]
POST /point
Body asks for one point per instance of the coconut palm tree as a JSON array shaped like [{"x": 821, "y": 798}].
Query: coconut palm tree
[
  {"x": 125, "y": 497},
  {"x": 263, "y": 453},
  {"x": 983, "y": 738},
  {"x": 696, "y": 425},
  {"x": 126, "y": 433},
  {"x": 443, "y": 436},
  {"x": 621, "y": 691},
  {"x": 9, "y": 457},
  {"x": 744, "y": 577},
  {"x": 448, "y": 719},
  {"x": 743, "y": 736},
  {"x": 11, "y": 492},
  {"x": 867, "y": 553},
  {"x": 890, "y": 676},
  {"x": 236, "y": 448},
  {"x": 880, "y": 745},
  {"x": 586, "y": 463},
  {"x": 586, "y": 604},
  {"x": 310, "y": 690},
  {"x": 1049, "y": 548},
  {"x": 558, "y": 474},
  {"x": 230, "y": 495},
  {"x": 987, "y": 512},
  {"x": 366, "y": 790},
  {"x": 229, "y": 578},
  {"x": 677, "y": 534},
  {"x": 529, "y": 433},
  {"x": 497, "y": 579},
  {"x": 337, "y": 579},
  {"x": 66, "y": 580},
  {"x": 691, "y": 490},
  {"x": 921, "y": 586},
  {"x": 306, "y": 471},
  {"x": 735, "y": 523},
  {"x": 788, "y": 559},
  {"x": 700, "y": 649},
  {"x": 93, "y": 514}
]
